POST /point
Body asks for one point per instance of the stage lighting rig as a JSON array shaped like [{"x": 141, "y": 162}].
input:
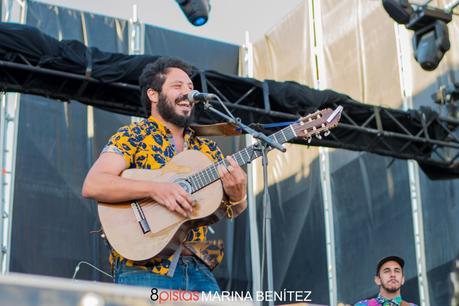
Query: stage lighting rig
[
  {"x": 196, "y": 11},
  {"x": 399, "y": 10},
  {"x": 431, "y": 38}
]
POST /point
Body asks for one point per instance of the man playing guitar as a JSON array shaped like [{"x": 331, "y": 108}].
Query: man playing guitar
[{"x": 150, "y": 144}]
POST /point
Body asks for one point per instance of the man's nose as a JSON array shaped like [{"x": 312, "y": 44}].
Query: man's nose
[
  {"x": 184, "y": 93},
  {"x": 184, "y": 97}
]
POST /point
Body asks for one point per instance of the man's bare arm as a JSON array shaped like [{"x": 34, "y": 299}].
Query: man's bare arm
[{"x": 104, "y": 184}]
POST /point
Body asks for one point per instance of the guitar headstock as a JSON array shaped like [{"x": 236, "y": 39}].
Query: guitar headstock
[{"x": 317, "y": 123}]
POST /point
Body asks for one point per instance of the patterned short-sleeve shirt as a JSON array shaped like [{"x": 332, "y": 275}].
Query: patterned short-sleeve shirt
[
  {"x": 148, "y": 144},
  {"x": 381, "y": 301}
]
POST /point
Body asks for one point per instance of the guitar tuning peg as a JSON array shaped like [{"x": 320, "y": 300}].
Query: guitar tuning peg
[
  {"x": 327, "y": 133},
  {"x": 318, "y": 136}
]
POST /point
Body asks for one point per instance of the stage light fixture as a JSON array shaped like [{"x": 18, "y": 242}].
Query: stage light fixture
[
  {"x": 399, "y": 10},
  {"x": 430, "y": 39},
  {"x": 430, "y": 44},
  {"x": 196, "y": 11}
]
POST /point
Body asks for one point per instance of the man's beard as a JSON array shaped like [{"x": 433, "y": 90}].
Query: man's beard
[
  {"x": 168, "y": 113},
  {"x": 391, "y": 289}
]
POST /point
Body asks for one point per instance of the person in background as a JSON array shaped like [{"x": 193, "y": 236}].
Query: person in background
[{"x": 390, "y": 279}]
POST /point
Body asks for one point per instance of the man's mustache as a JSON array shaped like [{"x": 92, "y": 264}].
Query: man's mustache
[{"x": 182, "y": 98}]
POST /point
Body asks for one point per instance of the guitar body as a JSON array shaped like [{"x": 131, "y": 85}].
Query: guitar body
[{"x": 167, "y": 229}]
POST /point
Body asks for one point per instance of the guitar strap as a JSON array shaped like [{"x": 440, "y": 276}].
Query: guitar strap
[{"x": 174, "y": 262}]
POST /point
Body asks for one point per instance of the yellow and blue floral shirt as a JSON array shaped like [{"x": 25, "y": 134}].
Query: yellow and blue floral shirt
[{"x": 149, "y": 144}]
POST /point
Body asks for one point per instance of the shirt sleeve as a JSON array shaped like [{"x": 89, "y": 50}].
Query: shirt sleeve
[
  {"x": 211, "y": 149},
  {"x": 124, "y": 143}
]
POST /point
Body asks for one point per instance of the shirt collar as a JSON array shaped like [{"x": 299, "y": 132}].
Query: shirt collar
[
  {"x": 396, "y": 301},
  {"x": 188, "y": 132}
]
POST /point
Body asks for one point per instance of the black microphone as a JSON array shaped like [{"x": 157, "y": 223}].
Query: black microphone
[{"x": 195, "y": 96}]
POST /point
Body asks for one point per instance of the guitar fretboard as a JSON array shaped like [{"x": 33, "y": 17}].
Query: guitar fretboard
[{"x": 210, "y": 174}]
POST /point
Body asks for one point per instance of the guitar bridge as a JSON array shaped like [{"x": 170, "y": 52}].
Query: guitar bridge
[{"x": 140, "y": 216}]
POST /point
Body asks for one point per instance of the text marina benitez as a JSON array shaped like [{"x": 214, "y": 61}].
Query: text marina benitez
[{"x": 163, "y": 296}]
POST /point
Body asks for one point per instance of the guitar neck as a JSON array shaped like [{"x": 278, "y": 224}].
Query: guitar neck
[{"x": 210, "y": 174}]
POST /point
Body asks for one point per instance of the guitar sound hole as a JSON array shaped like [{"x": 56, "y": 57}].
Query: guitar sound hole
[{"x": 184, "y": 184}]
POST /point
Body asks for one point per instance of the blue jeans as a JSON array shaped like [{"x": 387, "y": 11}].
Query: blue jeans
[{"x": 191, "y": 274}]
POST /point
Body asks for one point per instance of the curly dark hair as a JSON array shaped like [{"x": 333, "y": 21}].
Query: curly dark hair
[{"x": 154, "y": 75}]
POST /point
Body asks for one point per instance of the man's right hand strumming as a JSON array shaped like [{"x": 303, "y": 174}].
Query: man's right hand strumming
[{"x": 174, "y": 197}]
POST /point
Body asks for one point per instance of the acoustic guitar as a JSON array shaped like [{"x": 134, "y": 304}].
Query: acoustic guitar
[{"x": 141, "y": 229}]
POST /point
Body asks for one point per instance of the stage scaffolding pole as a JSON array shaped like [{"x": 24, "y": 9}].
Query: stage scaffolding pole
[
  {"x": 136, "y": 40},
  {"x": 251, "y": 183},
  {"x": 15, "y": 11},
  {"x": 320, "y": 82}
]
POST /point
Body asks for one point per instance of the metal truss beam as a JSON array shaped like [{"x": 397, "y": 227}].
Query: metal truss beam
[
  {"x": 381, "y": 126},
  {"x": 378, "y": 125}
]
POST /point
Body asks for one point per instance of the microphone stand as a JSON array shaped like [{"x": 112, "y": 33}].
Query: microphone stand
[{"x": 264, "y": 145}]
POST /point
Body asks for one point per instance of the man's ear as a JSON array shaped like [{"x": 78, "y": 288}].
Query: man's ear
[
  {"x": 403, "y": 280},
  {"x": 377, "y": 280},
  {"x": 152, "y": 95}
]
